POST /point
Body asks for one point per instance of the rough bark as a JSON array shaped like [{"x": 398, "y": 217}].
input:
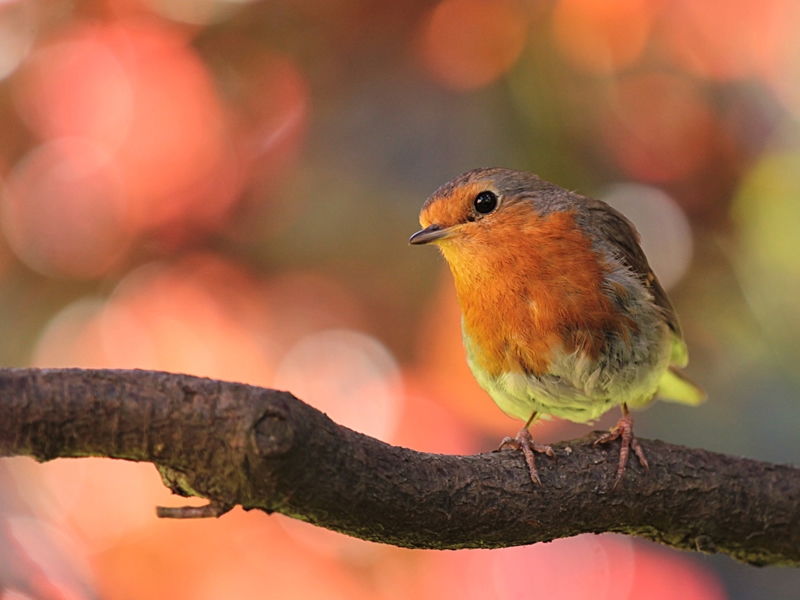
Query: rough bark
[{"x": 259, "y": 448}]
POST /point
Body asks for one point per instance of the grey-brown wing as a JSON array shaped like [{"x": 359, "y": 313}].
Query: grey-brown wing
[{"x": 620, "y": 232}]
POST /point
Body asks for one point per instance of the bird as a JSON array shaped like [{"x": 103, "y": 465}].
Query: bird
[{"x": 562, "y": 315}]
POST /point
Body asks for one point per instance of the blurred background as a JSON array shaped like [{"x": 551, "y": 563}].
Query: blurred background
[{"x": 226, "y": 188}]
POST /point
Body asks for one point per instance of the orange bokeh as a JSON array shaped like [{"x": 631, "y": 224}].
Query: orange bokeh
[
  {"x": 586, "y": 567},
  {"x": 177, "y": 161},
  {"x": 467, "y": 44},
  {"x": 77, "y": 85},
  {"x": 64, "y": 210},
  {"x": 781, "y": 69},
  {"x": 729, "y": 39},
  {"x": 349, "y": 376},
  {"x": 603, "y": 37},
  {"x": 200, "y": 316},
  {"x": 171, "y": 319},
  {"x": 426, "y": 425},
  {"x": 96, "y": 500},
  {"x": 664, "y": 575},
  {"x": 243, "y": 556},
  {"x": 658, "y": 127},
  {"x": 137, "y": 90}
]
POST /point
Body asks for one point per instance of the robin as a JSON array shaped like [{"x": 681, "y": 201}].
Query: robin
[{"x": 562, "y": 315}]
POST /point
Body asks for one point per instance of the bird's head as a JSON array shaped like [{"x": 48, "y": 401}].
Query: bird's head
[
  {"x": 486, "y": 209},
  {"x": 483, "y": 201}
]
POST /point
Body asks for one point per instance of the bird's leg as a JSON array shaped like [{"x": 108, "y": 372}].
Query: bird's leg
[
  {"x": 624, "y": 429},
  {"x": 525, "y": 442}
]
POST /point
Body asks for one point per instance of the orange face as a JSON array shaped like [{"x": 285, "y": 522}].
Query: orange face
[{"x": 456, "y": 208}]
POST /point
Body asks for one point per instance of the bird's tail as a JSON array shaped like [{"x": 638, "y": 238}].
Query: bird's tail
[{"x": 675, "y": 386}]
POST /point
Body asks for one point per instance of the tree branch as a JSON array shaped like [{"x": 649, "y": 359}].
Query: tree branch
[{"x": 238, "y": 444}]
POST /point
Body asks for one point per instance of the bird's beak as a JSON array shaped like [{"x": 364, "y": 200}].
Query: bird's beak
[{"x": 432, "y": 233}]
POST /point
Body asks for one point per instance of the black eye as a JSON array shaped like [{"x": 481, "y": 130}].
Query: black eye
[{"x": 485, "y": 202}]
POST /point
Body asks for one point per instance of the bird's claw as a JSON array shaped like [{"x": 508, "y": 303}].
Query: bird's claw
[
  {"x": 624, "y": 429},
  {"x": 525, "y": 442}
]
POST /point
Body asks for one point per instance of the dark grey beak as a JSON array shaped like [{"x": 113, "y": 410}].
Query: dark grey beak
[{"x": 432, "y": 233}]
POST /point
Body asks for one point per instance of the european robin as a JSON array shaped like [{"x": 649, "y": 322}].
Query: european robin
[{"x": 561, "y": 313}]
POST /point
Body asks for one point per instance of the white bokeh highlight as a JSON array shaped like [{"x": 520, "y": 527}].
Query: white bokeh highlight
[
  {"x": 662, "y": 224},
  {"x": 347, "y": 375}
]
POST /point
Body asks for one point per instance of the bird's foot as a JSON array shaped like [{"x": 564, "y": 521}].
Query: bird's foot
[
  {"x": 624, "y": 429},
  {"x": 525, "y": 442}
]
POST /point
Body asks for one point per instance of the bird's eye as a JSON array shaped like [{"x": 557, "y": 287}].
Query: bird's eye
[{"x": 485, "y": 202}]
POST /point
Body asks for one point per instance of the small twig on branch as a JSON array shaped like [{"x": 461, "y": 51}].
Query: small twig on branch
[
  {"x": 212, "y": 509},
  {"x": 241, "y": 445}
]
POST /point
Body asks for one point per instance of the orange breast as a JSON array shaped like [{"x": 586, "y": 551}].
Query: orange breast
[{"x": 528, "y": 286}]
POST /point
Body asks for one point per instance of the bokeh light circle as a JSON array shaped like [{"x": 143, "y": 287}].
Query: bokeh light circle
[
  {"x": 658, "y": 127},
  {"x": 725, "y": 40},
  {"x": 173, "y": 317},
  {"x": 63, "y": 210},
  {"x": 53, "y": 104},
  {"x": 201, "y": 316},
  {"x": 585, "y": 567},
  {"x": 73, "y": 337},
  {"x": 467, "y": 44},
  {"x": 138, "y": 90},
  {"x": 766, "y": 211},
  {"x": 349, "y": 376},
  {"x": 18, "y": 28},
  {"x": 602, "y": 37},
  {"x": 106, "y": 498},
  {"x": 662, "y": 224}
]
